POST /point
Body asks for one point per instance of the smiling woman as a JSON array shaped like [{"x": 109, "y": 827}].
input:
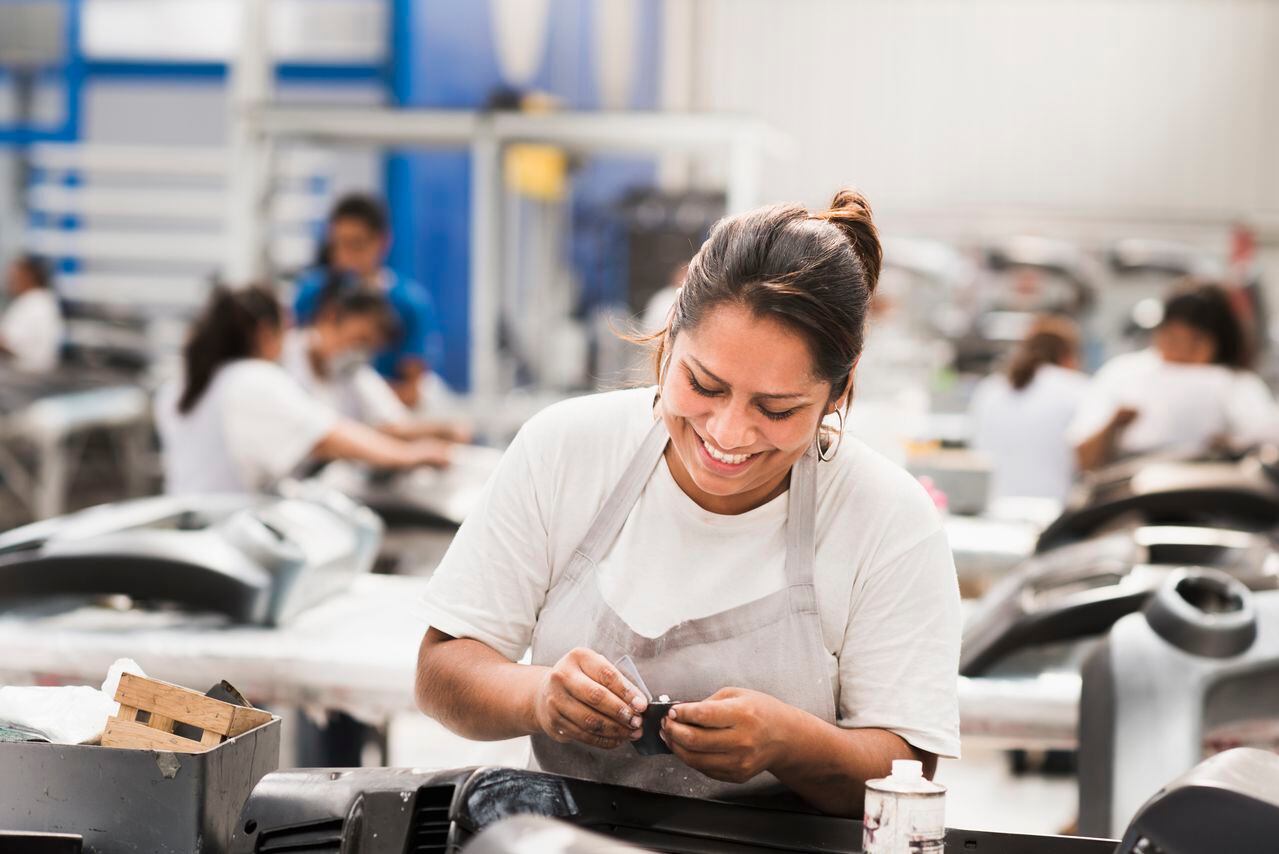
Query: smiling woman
[{"x": 793, "y": 588}]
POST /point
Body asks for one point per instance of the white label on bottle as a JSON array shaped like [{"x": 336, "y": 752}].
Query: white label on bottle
[{"x": 904, "y": 824}]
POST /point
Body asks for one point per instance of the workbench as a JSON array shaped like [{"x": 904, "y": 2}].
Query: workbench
[
  {"x": 45, "y": 425},
  {"x": 357, "y": 653}
]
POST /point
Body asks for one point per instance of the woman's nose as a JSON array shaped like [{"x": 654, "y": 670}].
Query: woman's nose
[{"x": 730, "y": 429}]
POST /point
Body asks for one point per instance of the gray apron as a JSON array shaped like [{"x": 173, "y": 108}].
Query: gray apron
[{"x": 773, "y": 645}]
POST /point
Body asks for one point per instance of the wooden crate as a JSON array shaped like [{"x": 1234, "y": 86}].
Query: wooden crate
[{"x": 167, "y": 705}]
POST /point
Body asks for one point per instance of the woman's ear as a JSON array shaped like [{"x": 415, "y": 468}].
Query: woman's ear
[{"x": 841, "y": 400}]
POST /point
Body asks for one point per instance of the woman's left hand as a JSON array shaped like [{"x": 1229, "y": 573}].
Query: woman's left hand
[{"x": 732, "y": 736}]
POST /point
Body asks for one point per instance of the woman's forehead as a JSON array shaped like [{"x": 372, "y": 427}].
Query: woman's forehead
[{"x": 757, "y": 354}]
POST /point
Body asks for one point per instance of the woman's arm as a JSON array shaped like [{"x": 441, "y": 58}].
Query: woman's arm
[
  {"x": 447, "y": 431},
  {"x": 737, "y": 734},
  {"x": 350, "y": 440},
  {"x": 1100, "y": 448},
  {"x": 474, "y": 691},
  {"x": 408, "y": 385}
]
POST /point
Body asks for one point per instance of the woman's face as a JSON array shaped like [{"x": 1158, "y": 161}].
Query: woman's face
[
  {"x": 349, "y": 334},
  {"x": 1183, "y": 344},
  {"x": 270, "y": 342},
  {"x": 742, "y": 405},
  {"x": 19, "y": 280},
  {"x": 356, "y": 248}
]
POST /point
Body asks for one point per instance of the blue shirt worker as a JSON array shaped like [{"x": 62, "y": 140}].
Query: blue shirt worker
[{"x": 356, "y": 246}]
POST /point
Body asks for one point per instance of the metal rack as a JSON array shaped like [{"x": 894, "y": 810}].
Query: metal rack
[{"x": 743, "y": 141}]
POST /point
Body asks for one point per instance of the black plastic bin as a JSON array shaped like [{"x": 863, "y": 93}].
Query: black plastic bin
[{"x": 135, "y": 800}]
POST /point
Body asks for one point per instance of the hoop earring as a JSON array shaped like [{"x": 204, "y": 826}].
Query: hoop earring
[{"x": 838, "y": 442}]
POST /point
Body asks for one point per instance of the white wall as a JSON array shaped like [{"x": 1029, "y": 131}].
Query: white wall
[{"x": 951, "y": 111}]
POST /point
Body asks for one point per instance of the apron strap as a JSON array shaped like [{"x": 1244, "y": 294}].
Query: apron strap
[
  {"x": 801, "y": 521},
  {"x": 611, "y": 517},
  {"x": 801, "y": 514}
]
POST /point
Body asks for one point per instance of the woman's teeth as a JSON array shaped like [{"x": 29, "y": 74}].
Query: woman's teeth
[{"x": 731, "y": 459}]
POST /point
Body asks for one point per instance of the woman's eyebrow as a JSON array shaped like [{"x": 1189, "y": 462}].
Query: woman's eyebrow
[{"x": 763, "y": 395}]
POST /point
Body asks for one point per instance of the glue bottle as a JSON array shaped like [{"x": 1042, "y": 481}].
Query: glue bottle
[{"x": 905, "y": 813}]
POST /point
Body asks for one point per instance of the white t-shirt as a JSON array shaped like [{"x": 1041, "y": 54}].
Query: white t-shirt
[
  {"x": 31, "y": 329},
  {"x": 252, "y": 426},
  {"x": 358, "y": 391},
  {"x": 1180, "y": 407},
  {"x": 885, "y": 579},
  {"x": 1023, "y": 432}
]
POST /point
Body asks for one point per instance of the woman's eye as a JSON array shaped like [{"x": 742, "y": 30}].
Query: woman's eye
[
  {"x": 699, "y": 388},
  {"x": 778, "y": 416}
]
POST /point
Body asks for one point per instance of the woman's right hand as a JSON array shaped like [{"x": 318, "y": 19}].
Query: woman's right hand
[
  {"x": 1123, "y": 416},
  {"x": 432, "y": 452},
  {"x": 584, "y": 698}
]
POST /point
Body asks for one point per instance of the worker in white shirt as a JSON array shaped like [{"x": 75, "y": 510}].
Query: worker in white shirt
[
  {"x": 331, "y": 359},
  {"x": 31, "y": 327},
  {"x": 793, "y": 588},
  {"x": 1019, "y": 416},
  {"x": 237, "y": 422},
  {"x": 1189, "y": 391}
]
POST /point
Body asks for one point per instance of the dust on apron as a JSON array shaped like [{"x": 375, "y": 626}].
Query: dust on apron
[{"x": 773, "y": 645}]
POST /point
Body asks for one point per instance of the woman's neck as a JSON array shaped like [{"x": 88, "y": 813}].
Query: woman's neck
[{"x": 315, "y": 354}]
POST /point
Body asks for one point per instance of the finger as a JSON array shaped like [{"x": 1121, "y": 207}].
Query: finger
[
  {"x": 603, "y": 673},
  {"x": 713, "y": 765},
  {"x": 567, "y": 730},
  {"x": 592, "y": 720},
  {"x": 698, "y": 739},
  {"x": 711, "y": 714},
  {"x": 586, "y": 690}
]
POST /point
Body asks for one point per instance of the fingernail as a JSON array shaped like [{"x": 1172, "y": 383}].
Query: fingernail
[
  {"x": 637, "y": 735},
  {"x": 638, "y": 703},
  {"x": 637, "y": 722},
  {"x": 671, "y": 713}
]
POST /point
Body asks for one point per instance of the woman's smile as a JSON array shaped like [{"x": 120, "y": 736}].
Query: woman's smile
[{"x": 721, "y": 462}]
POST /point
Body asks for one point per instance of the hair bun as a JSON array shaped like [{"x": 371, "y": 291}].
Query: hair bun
[{"x": 850, "y": 212}]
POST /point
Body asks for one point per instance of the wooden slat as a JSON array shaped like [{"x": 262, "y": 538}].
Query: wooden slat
[
  {"x": 127, "y": 713},
  {"x": 160, "y": 722},
  {"x": 138, "y": 736},
  {"x": 244, "y": 719},
  {"x": 210, "y": 738},
  {"x": 189, "y": 707}
]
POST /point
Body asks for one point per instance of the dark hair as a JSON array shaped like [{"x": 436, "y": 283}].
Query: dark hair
[
  {"x": 342, "y": 296},
  {"x": 815, "y": 273},
  {"x": 1206, "y": 307},
  {"x": 225, "y": 331},
  {"x": 363, "y": 208},
  {"x": 1051, "y": 340},
  {"x": 36, "y": 268}
]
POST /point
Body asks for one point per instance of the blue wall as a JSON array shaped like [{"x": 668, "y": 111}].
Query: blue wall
[{"x": 443, "y": 56}]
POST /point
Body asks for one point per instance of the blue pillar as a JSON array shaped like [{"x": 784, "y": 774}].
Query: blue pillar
[{"x": 443, "y": 56}]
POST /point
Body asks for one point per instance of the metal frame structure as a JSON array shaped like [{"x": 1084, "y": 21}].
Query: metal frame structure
[
  {"x": 485, "y": 135},
  {"x": 72, "y": 73},
  {"x": 77, "y": 71}
]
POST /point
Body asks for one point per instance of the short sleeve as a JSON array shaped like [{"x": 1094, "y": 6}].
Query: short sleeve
[
  {"x": 32, "y": 331},
  {"x": 272, "y": 425},
  {"x": 377, "y": 402},
  {"x": 493, "y": 581},
  {"x": 1251, "y": 411},
  {"x": 899, "y": 662},
  {"x": 1097, "y": 405}
]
